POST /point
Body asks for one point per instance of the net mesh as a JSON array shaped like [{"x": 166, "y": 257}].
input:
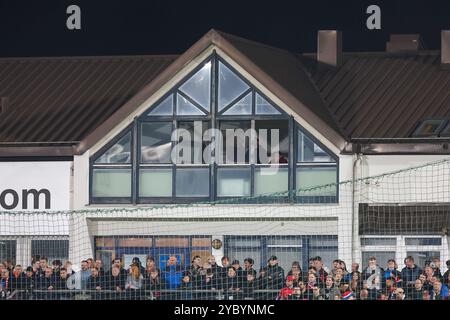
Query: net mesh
[{"x": 386, "y": 238}]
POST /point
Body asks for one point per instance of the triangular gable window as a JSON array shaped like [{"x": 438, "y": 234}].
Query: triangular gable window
[
  {"x": 264, "y": 107},
  {"x": 242, "y": 107},
  {"x": 231, "y": 86},
  {"x": 164, "y": 108},
  {"x": 186, "y": 108},
  {"x": 198, "y": 86}
]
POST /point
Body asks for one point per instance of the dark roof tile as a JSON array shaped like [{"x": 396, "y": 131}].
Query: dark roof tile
[{"x": 64, "y": 99}]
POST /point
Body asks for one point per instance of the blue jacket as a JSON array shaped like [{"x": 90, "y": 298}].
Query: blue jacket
[{"x": 172, "y": 276}]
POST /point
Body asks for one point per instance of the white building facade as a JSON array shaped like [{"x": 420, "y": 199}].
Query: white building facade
[{"x": 121, "y": 170}]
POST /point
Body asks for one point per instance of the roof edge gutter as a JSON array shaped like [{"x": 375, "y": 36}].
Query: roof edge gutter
[
  {"x": 398, "y": 146},
  {"x": 37, "y": 151}
]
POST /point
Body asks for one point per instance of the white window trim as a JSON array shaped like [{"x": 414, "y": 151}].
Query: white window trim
[{"x": 401, "y": 248}]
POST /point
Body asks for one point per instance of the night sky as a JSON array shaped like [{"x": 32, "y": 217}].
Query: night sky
[{"x": 38, "y": 28}]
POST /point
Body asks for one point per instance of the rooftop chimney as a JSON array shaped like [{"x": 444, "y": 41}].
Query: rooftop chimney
[
  {"x": 445, "y": 47},
  {"x": 329, "y": 47},
  {"x": 4, "y": 104},
  {"x": 404, "y": 43}
]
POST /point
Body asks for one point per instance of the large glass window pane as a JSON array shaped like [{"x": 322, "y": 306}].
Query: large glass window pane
[
  {"x": 242, "y": 253},
  {"x": 156, "y": 142},
  {"x": 420, "y": 257},
  {"x": 231, "y": 86},
  {"x": 327, "y": 254},
  {"x": 273, "y": 141},
  {"x": 242, "y": 107},
  {"x": 155, "y": 182},
  {"x": 312, "y": 177},
  {"x": 165, "y": 108},
  {"x": 190, "y": 151},
  {"x": 284, "y": 241},
  {"x": 186, "y": 108},
  {"x": 271, "y": 180},
  {"x": 308, "y": 151},
  {"x": 198, "y": 86},
  {"x": 323, "y": 241},
  {"x": 236, "y": 141},
  {"x": 264, "y": 107},
  {"x": 8, "y": 250},
  {"x": 286, "y": 256},
  {"x": 119, "y": 152},
  {"x": 233, "y": 182},
  {"x": 381, "y": 256},
  {"x": 111, "y": 183},
  {"x": 378, "y": 241},
  {"x": 423, "y": 241},
  {"x": 192, "y": 182},
  {"x": 51, "y": 249}
]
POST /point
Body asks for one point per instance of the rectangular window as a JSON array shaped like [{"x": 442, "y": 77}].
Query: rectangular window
[
  {"x": 194, "y": 131},
  {"x": 155, "y": 182},
  {"x": 378, "y": 241},
  {"x": 8, "y": 250},
  {"x": 192, "y": 182},
  {"x": 423, "y": 241},
  {"x": 271, "y": 180},
  {"x": 314, "y": 180},
  {"x": 323, "y": 241},
  {"x": 51, "y": 249},
  {"x": 175, "y": 242},
  {"x": 420, "y": 257},
  {"x": 381, "y": 256},
  {"x": 111, "y": 182},
  {"x": 273, "y": 141},
  {"x": 286, "y": 255},
  {"x": 156, "y": 142},
  {"x": 135, "y": 242},
  {"x": 233, "y": 182},
  {"x": 236, "y": 141}
]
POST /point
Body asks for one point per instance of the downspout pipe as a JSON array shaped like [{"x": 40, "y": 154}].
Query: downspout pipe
[{"x": 355, "y": 163}]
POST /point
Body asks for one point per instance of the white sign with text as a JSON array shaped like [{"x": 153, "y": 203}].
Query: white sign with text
[{"x": 35, "y": 186}]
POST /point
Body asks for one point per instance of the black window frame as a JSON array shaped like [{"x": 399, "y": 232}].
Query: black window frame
[{"x": 213, "y": 119}]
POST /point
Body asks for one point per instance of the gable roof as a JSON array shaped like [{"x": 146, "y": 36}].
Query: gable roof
[
  {"x": 63, "y": 106},
  {"x": 266, "y": 64}
]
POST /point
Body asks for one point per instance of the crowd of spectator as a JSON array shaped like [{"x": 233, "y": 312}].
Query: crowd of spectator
[{"x": 229, "y": 280}]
